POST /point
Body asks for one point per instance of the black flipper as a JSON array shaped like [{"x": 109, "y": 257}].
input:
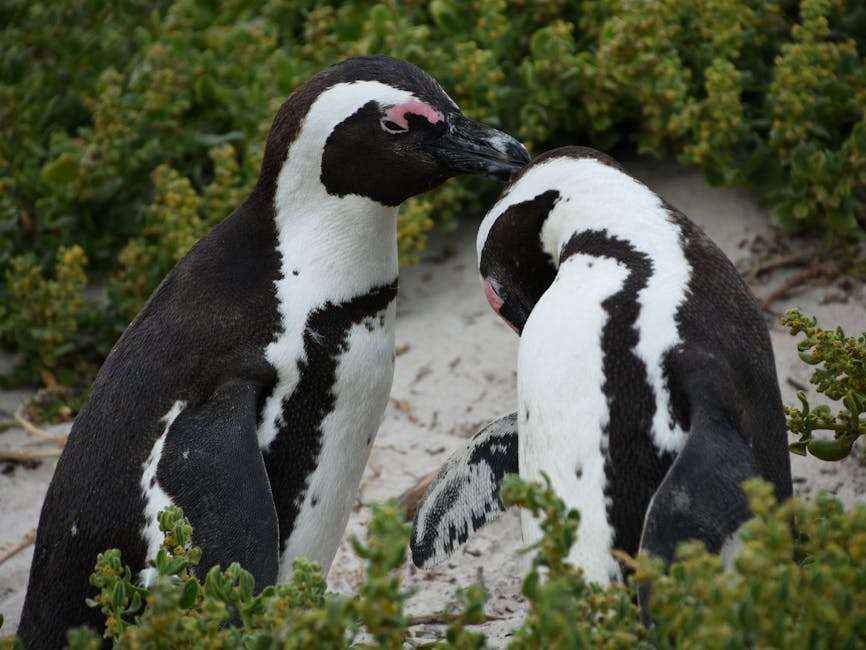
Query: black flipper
[
  {"x": 464, "y": 496},
  {"x": 701, "y": 497},
  {"x": 212, "y": 467}
]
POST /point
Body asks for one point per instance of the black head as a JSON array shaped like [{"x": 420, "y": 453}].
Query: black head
[
  {"x": 515, "y": 268},
  {"x": 384, "y": 129}
]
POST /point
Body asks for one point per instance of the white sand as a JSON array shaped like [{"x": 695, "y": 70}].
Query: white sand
[{"x": 455, "y": 372}]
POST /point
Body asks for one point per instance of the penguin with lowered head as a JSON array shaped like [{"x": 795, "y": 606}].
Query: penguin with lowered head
[{"x": 647, "y": 389}]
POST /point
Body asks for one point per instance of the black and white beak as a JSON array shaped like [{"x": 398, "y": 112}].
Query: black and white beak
[{"x": 468, "y": 147}]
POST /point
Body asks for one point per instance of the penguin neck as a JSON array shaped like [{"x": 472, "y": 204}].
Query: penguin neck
[
  {"x": 600, "y": 197},
  {"x": 602, "y": 211},
  {"x": 348, "y": 242}
]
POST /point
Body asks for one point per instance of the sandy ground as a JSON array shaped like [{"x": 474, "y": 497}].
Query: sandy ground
[{"x": 455, "y": 371}]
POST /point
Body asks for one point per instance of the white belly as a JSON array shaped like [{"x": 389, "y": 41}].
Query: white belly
[{"x": 363, "y": 383}]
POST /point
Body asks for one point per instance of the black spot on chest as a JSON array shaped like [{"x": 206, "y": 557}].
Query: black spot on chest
[{"x": 293, "y": 454}]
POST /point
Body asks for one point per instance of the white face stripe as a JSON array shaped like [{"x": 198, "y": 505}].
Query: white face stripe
[
  {"x": 331, "y": 108},
  {"x": 551, "y": 174},
  {"x": 155, "y": 498},
  {"x": 596, "y": 196},
  {"x": 535, "y": 181}
]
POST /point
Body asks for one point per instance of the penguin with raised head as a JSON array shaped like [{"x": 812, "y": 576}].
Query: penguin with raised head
[
  {"x": 647, "y": 388},
  {"x": 250, "y": 387}
]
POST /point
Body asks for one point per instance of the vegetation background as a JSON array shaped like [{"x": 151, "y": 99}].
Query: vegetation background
[{"x": 129, "y": 128}]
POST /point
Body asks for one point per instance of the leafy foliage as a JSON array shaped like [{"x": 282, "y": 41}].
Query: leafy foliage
[
  {"x": 176, "y": 218},
  {"x": 784, "y": 590},
  {"x": 840, "y": 375},
  {"x": 42, "y": 316},
  {"x": 564, "y": 610},
  {"x": 179, "y": 611},
  {"x": 129, "y": 129}
]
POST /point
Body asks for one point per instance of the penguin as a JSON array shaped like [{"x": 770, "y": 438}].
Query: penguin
[
  {"x": 647, "y": 389},
  {"x": 250, "y": 387}
]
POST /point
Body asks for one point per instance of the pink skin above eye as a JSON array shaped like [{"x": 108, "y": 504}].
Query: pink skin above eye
[
  {"x": 496, "y": 302},
  {"x": 493, "y": 298},
  {"x": 398, "y": 113}
]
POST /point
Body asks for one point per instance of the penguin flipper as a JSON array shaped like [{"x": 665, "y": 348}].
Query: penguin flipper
[
  {"x": 212, "y": 467},
  {"x": 701, "y": 497},
  {"x": 464, "y": 496}
]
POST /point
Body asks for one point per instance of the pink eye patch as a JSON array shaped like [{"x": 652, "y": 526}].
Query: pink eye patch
[{"x": 397, "y": 114}]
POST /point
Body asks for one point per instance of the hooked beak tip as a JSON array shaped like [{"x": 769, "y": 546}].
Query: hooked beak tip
[
  {"x": 513, "y": 156},
  {"x": 516, "y": 151}
]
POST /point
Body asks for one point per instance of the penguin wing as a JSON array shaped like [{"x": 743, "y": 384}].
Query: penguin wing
[
  {"x": 701, "y": 497},
  {"x": 464, "y": 496},
  {"x": 212, "y": 467}
]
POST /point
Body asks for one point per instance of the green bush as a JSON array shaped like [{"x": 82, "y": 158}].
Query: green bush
[
  {"x": 99, "y": 101},
  {"x": 42, "y": 316},
  {"x": 783, "y": 591},
  {"x": 840, "y": 375}
]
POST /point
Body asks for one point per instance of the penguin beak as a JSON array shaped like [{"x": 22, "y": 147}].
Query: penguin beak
[{"x": 468, "y": 147}]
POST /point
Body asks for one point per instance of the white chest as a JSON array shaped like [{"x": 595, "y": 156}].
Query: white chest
[
  {"x": 332, "y": 257},
  {"x": 365, "y": 370},
  {"x": 563, "y": 408},
  {"x": 334, "y": 250}
]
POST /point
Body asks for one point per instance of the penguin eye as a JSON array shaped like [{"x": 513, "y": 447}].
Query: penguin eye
[{"x": 392, "y": 127}]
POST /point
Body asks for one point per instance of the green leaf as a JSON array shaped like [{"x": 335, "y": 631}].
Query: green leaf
[
  {"x": 446, "y": 16},
  {"x": 118, "y": 595},
  {"x": 135, "y": 603},
  {"x": 829, "y": 449},
  {"x": 61, "y": 171},
  {"x": 190, "y": 591},
  {"x": 176, "y": 565},
  {"x": 247, "y": 584},
  {"x": 798, "y": 448}
]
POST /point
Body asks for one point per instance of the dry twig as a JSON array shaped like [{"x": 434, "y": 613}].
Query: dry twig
[
  {"x": 35, "y": 431},
  {"x": 442, "y": 618},
  {"x": 777, "y": 262},
  {"x": 405, "y": 407},
  {"x": 829, "y": 271},
  {"x": 26, "y": 541},
  {"x": 627, "y": 560},
  {"x": 12, "y": 456}
]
